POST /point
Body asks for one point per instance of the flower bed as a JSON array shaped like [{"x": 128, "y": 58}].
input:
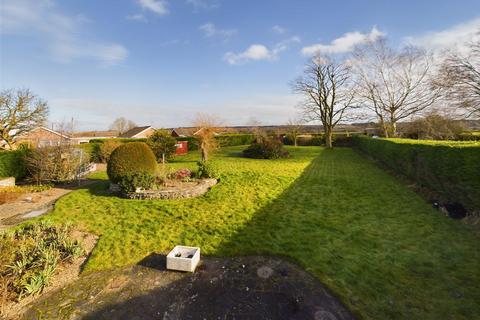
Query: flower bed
[{"x": 179, "y": 191}]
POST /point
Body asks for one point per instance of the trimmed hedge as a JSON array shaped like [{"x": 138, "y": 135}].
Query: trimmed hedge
[
  {"x": 12, "y": 164},
  {"x": 227, "y": 140},
  {"x": 131, "y": 159},
  {"x": 449, "y": 168},
  {"x": 230, "y": 140},
  {"x": 339, "y": 140}
]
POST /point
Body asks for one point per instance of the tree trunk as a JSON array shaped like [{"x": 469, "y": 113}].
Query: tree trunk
[
  {"x": 328, "y": 138},
  {"x": 295, "y": 141},
  {"x": 394, "y": 129},
  {"x": 163, "y": 158},
  {"x": 204, "y": 155}
]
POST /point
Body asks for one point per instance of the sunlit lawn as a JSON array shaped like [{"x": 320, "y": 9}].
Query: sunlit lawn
[{"x": 381, "y": 248}]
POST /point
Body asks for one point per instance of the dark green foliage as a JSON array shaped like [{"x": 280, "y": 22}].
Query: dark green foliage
[
  {"x": 130, "y": 159},
  {"x": 229, "y": 140},
  {"x": 192, "y": 142},
  {"x": 92, "y": 150},
  {"x": 469, "y": 137},
  {"x": 207, "y": 169},
  {"x": 266, "y": 148},
  {"x": 162, "y": 144},
  {"x": 339, "y": 140},
  {"x": 451, "y": 170},
  {"x": 12, "y": 164},
  {"x": 130, "y": 183},
  {"x": 30, "y": 255}
]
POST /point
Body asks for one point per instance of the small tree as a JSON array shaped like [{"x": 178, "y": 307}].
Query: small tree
[
  {"x": 122, "y": 125},
  {"x": 294, "y": 128},
  {"x": 163, "y": 145},
  {"x": 20, "y": 112},
  {"x": 328, "y": 92},
  {"x": 207, "y": 126}
]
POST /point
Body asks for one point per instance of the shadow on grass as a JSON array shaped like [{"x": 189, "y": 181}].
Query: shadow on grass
[{"x": 350, "y": 224}]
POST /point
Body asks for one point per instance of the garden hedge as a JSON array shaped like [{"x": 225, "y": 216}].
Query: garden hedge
[
  {"x": 12, "y": 164},
  {"x": 227, "y": 140},
  {"x": 450, "y": 169}
]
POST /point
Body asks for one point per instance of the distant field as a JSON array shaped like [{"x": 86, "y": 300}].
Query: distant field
[{"x": 379, "y": 246}]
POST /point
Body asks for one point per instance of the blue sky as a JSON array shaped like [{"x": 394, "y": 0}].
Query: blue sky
[{"x": 159, "y": 62}]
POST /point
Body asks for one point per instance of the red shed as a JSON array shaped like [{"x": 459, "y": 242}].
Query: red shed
[{"x": 182, "y": 147}]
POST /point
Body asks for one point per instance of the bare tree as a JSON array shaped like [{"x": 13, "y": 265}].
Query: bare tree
[
  {"x": 207, "y": 126},
  {"x": 20, "y": 112},
  {"x": 394, "y": 85},
  {"x": 122, "y": 125},
  {"x": 294, "y": 127},
  {"x": 459, "y": 76},
  {"x": 328, "y": 92}
]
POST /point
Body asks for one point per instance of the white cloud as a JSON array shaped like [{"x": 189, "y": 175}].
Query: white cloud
[
  {"x": 157, "y": 6},
  {"x": 61, "y": 33},
  {"x": 210, "y": 30},
  {"x": 455, "y": 36},
  {"x": 260, "y": 52},
  {"x": 203, "y": 4},
  {"x": 278, "y": 29},
  {"x": 344, "y": 44},
  {"x": 137, "y": 17}
]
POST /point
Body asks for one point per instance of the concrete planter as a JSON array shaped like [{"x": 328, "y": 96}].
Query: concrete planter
[
  {"x": 183, "y": 258},
  {"x": 7, "y": 182}
]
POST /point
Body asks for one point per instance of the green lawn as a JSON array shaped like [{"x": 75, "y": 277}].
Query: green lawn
[{"x": 381, "y": 248}]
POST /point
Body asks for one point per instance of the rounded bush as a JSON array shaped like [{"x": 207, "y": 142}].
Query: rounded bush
[{"x": 135, "y": 158}]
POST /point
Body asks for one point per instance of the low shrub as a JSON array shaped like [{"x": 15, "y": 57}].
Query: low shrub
[
  {"x": 266, "y": 148},
  {"x": 26, "y": 188},
  {"x": 448, "y": 168},
  {"x": 207, "y": 169},
  {"x": 92, "y": 150},
  {"x": 30, "y": 256},
  {"x": 132, "y": 182},
  {"x": 55, "y": 164},
  {"x": 12, "y": 164},
  {"x": 129, "y": 160}
]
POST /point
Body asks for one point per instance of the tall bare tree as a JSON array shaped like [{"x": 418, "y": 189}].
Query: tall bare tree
[
  {"x": 207, "y": 126},
  {"x": 293, "y": 128},
  {"x": 327, "y": 88},
  {"x": 459, "y": 76},
  {"x": 20, "y": 112},
  {"x": 122, "y": 125},
  {"x": 395, "y": 85}
]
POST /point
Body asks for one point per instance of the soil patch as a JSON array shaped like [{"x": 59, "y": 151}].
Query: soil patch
[
  {"x": 22, "y": 206},
  {"x": 236, "y": 288},
  {"x": 63, "y": 276}
]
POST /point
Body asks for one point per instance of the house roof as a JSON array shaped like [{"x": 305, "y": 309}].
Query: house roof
[
  {"x": 51, "y": 131},
  {"x": 184, "y": 132},
  {"x": 96, "y": 134},
  {"x": 134, "y": 131}
]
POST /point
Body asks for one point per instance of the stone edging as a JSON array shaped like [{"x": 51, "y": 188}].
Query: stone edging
[{"x": 197, "y": 190}]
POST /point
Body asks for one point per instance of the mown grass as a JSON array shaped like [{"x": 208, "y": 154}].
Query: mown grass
[{"x": 380, "y": 247}]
